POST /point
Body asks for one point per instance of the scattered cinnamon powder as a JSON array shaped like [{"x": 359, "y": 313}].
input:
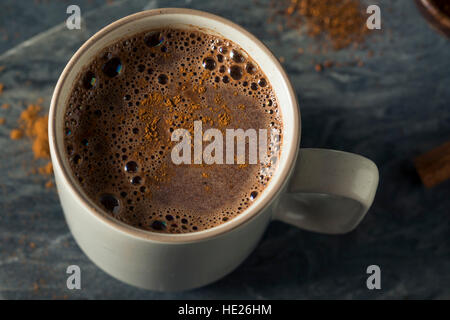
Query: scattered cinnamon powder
[
  {"x": 49, "y": 184},
  {"x": 2, "y": 121},
  {"x": 5, "y": 106},
  {"x": 16, "y": 134},
  {"x": 335, "y": 24},
  {"x": 1, "y": 88},
  {"x": 201, "y": 90},
  {"x": 47, "y": 169},
  {"x": 157, "y": 108},
  {"x": 40, "y": 137},
  {"x": 153, "y": 99},
  {"x": 224, "y": 119},
  {"x": 218, "y": 99},
  {"x": 34, "y": 126},
  {"x": 342, "y": 23},
  {"x": 151, "y": 130}
]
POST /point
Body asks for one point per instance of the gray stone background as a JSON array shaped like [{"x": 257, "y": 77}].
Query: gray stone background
[{"x": 391, "y": 109}]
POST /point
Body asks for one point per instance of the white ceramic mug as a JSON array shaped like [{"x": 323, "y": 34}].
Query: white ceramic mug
[{"x": 321, "y": 190}]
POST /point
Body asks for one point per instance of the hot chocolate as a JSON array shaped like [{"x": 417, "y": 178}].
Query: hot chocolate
[{"x": 130, "y": 99}]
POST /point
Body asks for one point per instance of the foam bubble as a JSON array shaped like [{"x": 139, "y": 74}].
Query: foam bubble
[{"x": 110, "y": 203}]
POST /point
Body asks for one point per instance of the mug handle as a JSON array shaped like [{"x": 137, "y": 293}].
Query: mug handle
[{"x": 330, "y": 191}]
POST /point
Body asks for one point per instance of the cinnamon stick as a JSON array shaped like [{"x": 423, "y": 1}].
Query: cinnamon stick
[{"x": 433, "y": 167}]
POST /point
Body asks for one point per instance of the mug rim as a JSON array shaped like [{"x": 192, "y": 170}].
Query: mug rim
[{"x": 283, "y": 172}]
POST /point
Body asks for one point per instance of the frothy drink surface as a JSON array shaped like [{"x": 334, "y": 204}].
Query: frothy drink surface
[{"x": 128, "y": 101}]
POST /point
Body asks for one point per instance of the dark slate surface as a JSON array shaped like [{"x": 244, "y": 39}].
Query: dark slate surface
[{"x": 391, "y": 109}]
